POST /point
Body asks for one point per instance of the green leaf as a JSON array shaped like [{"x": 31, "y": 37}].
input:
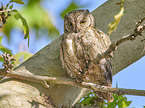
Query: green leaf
[
  {"x": 1, "y": 58},
  {"x": 4, "y": 49},
  {"x": 87, "y": 100},
  {"x": 18, "y": 1},
  {"x": 71, "y": 7},
  {"x": 11, "y": 6},
  {"x": 1, "y": 77},
  {"x": 112, "y": 26},
  {"x": 1, "y": 39},
  {"x": 120, "y": 101},
  {"x": 122, "y": 1},
  {"x": 126, "y": 103},
  {"x": 25, "y": 25},
  {"x": 42, "y": 22},
  {"x": 21, "y": 57}
]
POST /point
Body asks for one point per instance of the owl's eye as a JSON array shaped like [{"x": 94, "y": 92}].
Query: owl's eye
[
  {"x": 70, "y": 23},
  {"x": 83, "y": 22}
]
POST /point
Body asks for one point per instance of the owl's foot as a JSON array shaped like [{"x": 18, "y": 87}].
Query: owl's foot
[{"x": 79, "y": 78}]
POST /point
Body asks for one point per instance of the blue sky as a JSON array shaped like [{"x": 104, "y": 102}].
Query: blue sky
[{"x": 131, "y": 77}]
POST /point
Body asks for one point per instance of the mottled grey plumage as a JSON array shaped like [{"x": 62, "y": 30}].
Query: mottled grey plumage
[{"x": 81, "y": 43}]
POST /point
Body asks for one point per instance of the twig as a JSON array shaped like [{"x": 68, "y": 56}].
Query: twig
[
  {"x": 69, "y": 81},
  {"x": 9, "y": 10},
  {"x": 137, "y": 32}
]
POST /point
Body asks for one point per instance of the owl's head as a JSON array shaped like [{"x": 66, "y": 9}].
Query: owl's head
[{"x": 78, "y": 20}]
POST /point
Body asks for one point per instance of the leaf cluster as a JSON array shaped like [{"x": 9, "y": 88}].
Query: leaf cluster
[
  {"x": 93, "y": 100},
  {"x": 31, "y": 16}
]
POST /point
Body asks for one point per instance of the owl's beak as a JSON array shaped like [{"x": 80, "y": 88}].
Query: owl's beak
[{"x": 75, "y": 29}]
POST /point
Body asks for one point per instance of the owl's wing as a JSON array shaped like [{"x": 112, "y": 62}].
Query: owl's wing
[
  {"x": 105, "y": 65},
  {"x": 68, "y": 58},
  {"x": 107, "y": 72},
  {"x": 106, "y": 39},
  {"x": 104, "y": 77}
]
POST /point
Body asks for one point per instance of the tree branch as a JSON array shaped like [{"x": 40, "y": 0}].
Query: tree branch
[
  {"x": 8, "y": 10},
  {"x": 137, "y": 32},
  {"x": 68, "y": 81}
]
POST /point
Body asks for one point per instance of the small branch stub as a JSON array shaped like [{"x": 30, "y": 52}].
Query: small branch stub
[{"x": 7, "y": 62}]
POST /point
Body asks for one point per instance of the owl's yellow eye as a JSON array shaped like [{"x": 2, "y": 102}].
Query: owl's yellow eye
[{"x": 83, "y": 22}]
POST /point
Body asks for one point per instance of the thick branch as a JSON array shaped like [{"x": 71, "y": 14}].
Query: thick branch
[{"x": 60, "y": 80}]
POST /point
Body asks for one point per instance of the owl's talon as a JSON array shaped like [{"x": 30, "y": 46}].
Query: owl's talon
[{"x": 78, "y": 81}]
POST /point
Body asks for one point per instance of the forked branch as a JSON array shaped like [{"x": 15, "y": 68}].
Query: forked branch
[{"x": 68, "y": 81}]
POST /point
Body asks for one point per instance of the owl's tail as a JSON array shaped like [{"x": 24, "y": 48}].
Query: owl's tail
[{"x": 105, "y": 96}]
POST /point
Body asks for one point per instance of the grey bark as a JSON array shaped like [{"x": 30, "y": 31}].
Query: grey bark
[{"x": 46, "y": 62}]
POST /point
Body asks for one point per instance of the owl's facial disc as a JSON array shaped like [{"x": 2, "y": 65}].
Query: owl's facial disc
[{"x": 77, "y": 21}]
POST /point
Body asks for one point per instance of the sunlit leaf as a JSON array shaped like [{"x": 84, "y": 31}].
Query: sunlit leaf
[
  {"x": 25, "y": 25},
  {"x": 11, "y": 6},
  {"x": 1, "y": 39},
  {"x": 122, "y": 1},
  {"x": 125, "y": 103},
  {"x": 38, "y": 19},
  {"x": 21, "y": 57},
  {"x": 4, "y": 49},
  {"x": 87, "y": 101},
  {"x": 112, "y": 26},
  {"x": 71, "y": 7},
  {"x": 1, "y": 77},
  {"x": 18, "y": 1},
  {"x": 119, "y": 101},
  {"x": 1, "y": 58}
]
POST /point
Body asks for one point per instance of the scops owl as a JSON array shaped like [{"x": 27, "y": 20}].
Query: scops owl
[{"x": 80, "y": 44}]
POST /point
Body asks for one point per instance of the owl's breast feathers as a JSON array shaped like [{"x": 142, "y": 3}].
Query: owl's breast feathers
[{"x": 79, "y": 49}]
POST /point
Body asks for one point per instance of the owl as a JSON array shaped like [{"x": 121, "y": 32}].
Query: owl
[{"x": 80, "y": 44}]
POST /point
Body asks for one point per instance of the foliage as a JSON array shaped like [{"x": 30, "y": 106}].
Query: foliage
[
  {"x": 17, "y": 16},
  {"x": 92, "y": 100},
  {"x": 71, "y": 7},
  {"x": 18, "y": 1},
  {"x": 3, "y": 49},
  {"x": 120, "y": 101},
  {"x": 32, "y": 16},
  {"x": 38, "y": 18},
  {"x": 113, "y": 25},
  {"x": 20, "y": 57},
  {"x": 4, "y": 17},
  {"x": 26, "y": 28}
]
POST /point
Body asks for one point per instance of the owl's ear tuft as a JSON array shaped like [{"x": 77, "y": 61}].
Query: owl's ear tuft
[
  {"x": 87, "y": 11},
  {"x": 66, "y": 16}
]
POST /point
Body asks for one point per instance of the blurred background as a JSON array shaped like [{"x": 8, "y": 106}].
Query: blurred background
[{"x": 45, "y": 21}]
